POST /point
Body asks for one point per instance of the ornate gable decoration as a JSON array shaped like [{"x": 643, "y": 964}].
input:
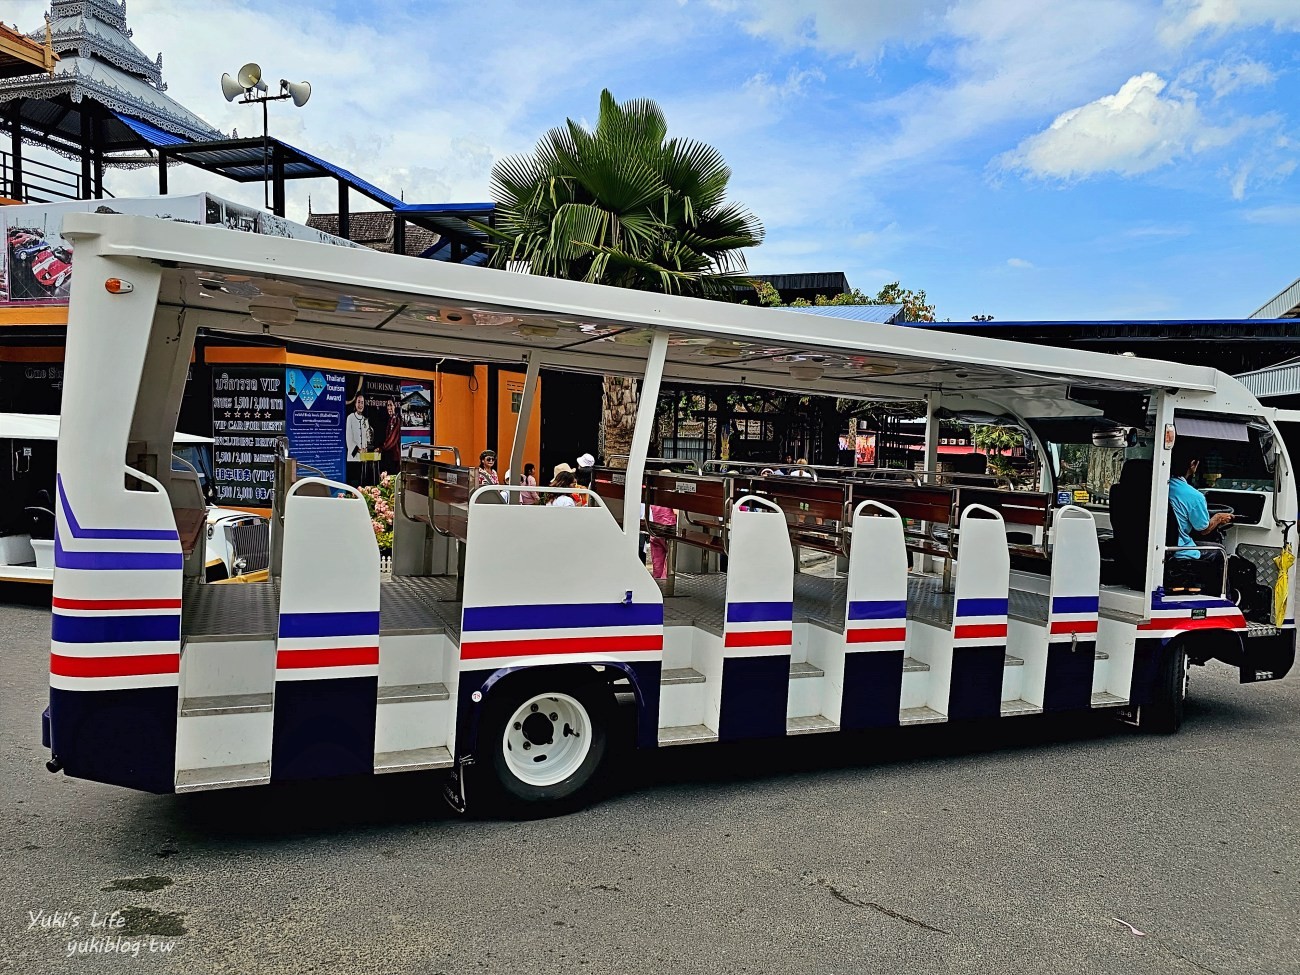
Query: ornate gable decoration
[{"x": 97, "y": 28}]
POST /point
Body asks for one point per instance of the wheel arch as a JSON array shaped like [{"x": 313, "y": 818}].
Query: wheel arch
[{"x": 471, "y": 709}]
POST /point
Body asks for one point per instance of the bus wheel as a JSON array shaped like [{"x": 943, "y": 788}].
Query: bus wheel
[
  {"x": 1164, "y": 715},
  {"x": 543, "y": 740}
]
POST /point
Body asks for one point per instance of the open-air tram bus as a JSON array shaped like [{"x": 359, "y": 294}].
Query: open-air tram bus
[{"x": 496, "y": 649}]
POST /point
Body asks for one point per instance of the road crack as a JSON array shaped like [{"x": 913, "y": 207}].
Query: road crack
[{"x": 844, "y": 898}]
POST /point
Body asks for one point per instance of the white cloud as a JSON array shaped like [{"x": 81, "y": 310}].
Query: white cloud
[
  {"x": 768, "y": 92},
  {"x": 1185, "y": 19},
  {"x": 1001, "y": 61},
  {"x": 1280, "y": 214},
  {"x": 1227, "y": 78},
  {"x": 1019, "y": 262},
  {"x": 1135, "y": 130}
]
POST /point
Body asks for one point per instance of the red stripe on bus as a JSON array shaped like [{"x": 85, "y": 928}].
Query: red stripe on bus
[
  {"x": 134, "y": 665},
  {"x": 59, "y": 602},
  {"x": 973, "y": 631},
  {"x": 479, "y": 650},
  {"x": 1235, "y": 622},
  {"x": 876, "y": 636},
  {"x": 1074, "y": 626},
  {"x": 327, "y": 657},
  {"x": 759, "y": 638}
]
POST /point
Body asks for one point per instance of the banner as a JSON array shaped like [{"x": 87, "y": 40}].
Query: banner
[
  {"x": 417, "y": 413},
  {"x": 247, "y": 419},
  {"x": 314, "y": 411}
]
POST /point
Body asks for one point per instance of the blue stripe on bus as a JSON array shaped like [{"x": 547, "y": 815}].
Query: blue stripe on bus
[
  {"x": 759, "y": 612},
  {"x": 877, "y": 609},
  {"x": 1075, "y": 604},
  {"x": 123, "y": 561},
  {"x": 114, "y": 629},
  {"x": 982, "y": 607},
  {"x": 329, "y": 624},
  {"x": 136, "y": 534},
  {"x": 561, "y": 615}
]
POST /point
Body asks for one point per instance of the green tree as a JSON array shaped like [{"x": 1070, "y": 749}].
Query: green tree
[
  {"x": 623, "y": 205},
  {"x": 915, "y": 308},
  {"x": 993, "y": 440}
]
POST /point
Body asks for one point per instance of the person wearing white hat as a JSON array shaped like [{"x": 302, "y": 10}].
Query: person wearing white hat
[
  {"x": 586, "y": 460},
  {"x": 558, "y": 469}
]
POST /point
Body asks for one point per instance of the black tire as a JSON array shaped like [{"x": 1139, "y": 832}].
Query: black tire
[
  {"x": 1164, "y": 715},
  {"x": 498, "y": 788}
]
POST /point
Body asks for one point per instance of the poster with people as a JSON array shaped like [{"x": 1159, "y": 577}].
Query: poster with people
[{"x": 373, "y": 429}]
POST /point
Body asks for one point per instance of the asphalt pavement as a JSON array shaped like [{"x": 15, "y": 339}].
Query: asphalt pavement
[{"x": 1032, "y": 845}]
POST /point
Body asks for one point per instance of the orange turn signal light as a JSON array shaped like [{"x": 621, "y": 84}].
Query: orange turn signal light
[{"x": 116, "y": 286}]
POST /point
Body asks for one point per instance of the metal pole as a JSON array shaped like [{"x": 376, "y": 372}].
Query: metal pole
[
  {"x": 645, "y": 421},
  {"x": 266, "y": 188},
  {"x": 521, "y": 424}
]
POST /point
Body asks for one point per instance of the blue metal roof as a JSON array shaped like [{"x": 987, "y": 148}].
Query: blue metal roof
[
  {"x": 882, "y": 314},
  {"x": 372, "y": 191},
  {"x": 150, "y": 133}
]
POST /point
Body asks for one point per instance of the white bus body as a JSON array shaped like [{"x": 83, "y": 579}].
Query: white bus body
[{"x": 492, "y": 650}]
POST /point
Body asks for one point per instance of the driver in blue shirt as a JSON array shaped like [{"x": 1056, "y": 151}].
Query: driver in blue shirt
[{"x": 1195, "y": 523}]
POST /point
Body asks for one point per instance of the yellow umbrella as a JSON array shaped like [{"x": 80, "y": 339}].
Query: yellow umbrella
[{"x": 1283, "y": 560}]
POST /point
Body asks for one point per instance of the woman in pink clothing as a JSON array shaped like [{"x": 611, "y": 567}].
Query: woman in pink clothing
[
  {"x": 659, "y": 515},
  {"x": 529, "y": 481}
]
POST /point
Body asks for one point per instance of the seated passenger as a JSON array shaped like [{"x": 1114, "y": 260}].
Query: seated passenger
[{"x": 1192, "y": 570}]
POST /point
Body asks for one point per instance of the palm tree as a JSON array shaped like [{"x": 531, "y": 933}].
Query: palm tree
[{"x": 622, "y": 205}]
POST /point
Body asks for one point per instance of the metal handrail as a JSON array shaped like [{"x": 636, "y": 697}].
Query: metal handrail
[
  {"x": 724, "y": 465},
  {"x": 435, "y": 448},
  {"x": 657, "y": 460}
]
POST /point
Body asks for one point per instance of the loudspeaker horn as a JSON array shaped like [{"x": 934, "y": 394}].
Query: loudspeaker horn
[
  {"x": 299, "y": 91},
  {"x": 231, "y": 88},
  {"x": 250, "y": 76}
]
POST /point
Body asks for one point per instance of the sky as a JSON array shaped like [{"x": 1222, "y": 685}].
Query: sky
[{"x": 1026, "y": 159}]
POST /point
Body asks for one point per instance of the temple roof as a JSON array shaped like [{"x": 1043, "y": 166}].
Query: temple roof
[{"x": 98, "y": 63}]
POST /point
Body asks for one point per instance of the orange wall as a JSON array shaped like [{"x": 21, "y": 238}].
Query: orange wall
[{"x": 508, "y": 383}]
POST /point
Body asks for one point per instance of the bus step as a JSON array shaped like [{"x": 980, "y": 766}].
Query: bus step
[
  {"x": 413, "y": 760},
  {"x": 193, "y": 707},
  {"x": 1013, "y": 661},
  {"x": 223, "y": 777},
  {"x": 912, "y": 665},
  {"x": 687, "y": 734},
  {"x": 403, "y": 693},
  {"x": 681, "y": 675},
  {"x": 921, "y": 715},
  {"x": 1011, "y": 708},
  {"x": 809, "y": 725},
  {"x": 1100, "y": 655},
  {"x": 1104, "y": 699},
  {"x": 805, "y": 670}
]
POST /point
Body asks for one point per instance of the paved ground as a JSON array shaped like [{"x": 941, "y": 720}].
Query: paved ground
[{"x": 1023, "y": 849}]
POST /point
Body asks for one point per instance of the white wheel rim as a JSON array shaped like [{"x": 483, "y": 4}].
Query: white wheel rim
[{"x": 547, "y": 739}]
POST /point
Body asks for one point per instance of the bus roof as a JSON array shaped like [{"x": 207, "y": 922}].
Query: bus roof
[{"x": 368, "y": 300}]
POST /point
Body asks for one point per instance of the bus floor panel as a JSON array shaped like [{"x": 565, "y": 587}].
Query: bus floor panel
[
  {"x": 419, "y": 603},
  {"x": 248, "y": 611}
]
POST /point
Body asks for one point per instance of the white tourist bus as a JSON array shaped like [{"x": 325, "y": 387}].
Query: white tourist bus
[{"x": 497, "y": 648}]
